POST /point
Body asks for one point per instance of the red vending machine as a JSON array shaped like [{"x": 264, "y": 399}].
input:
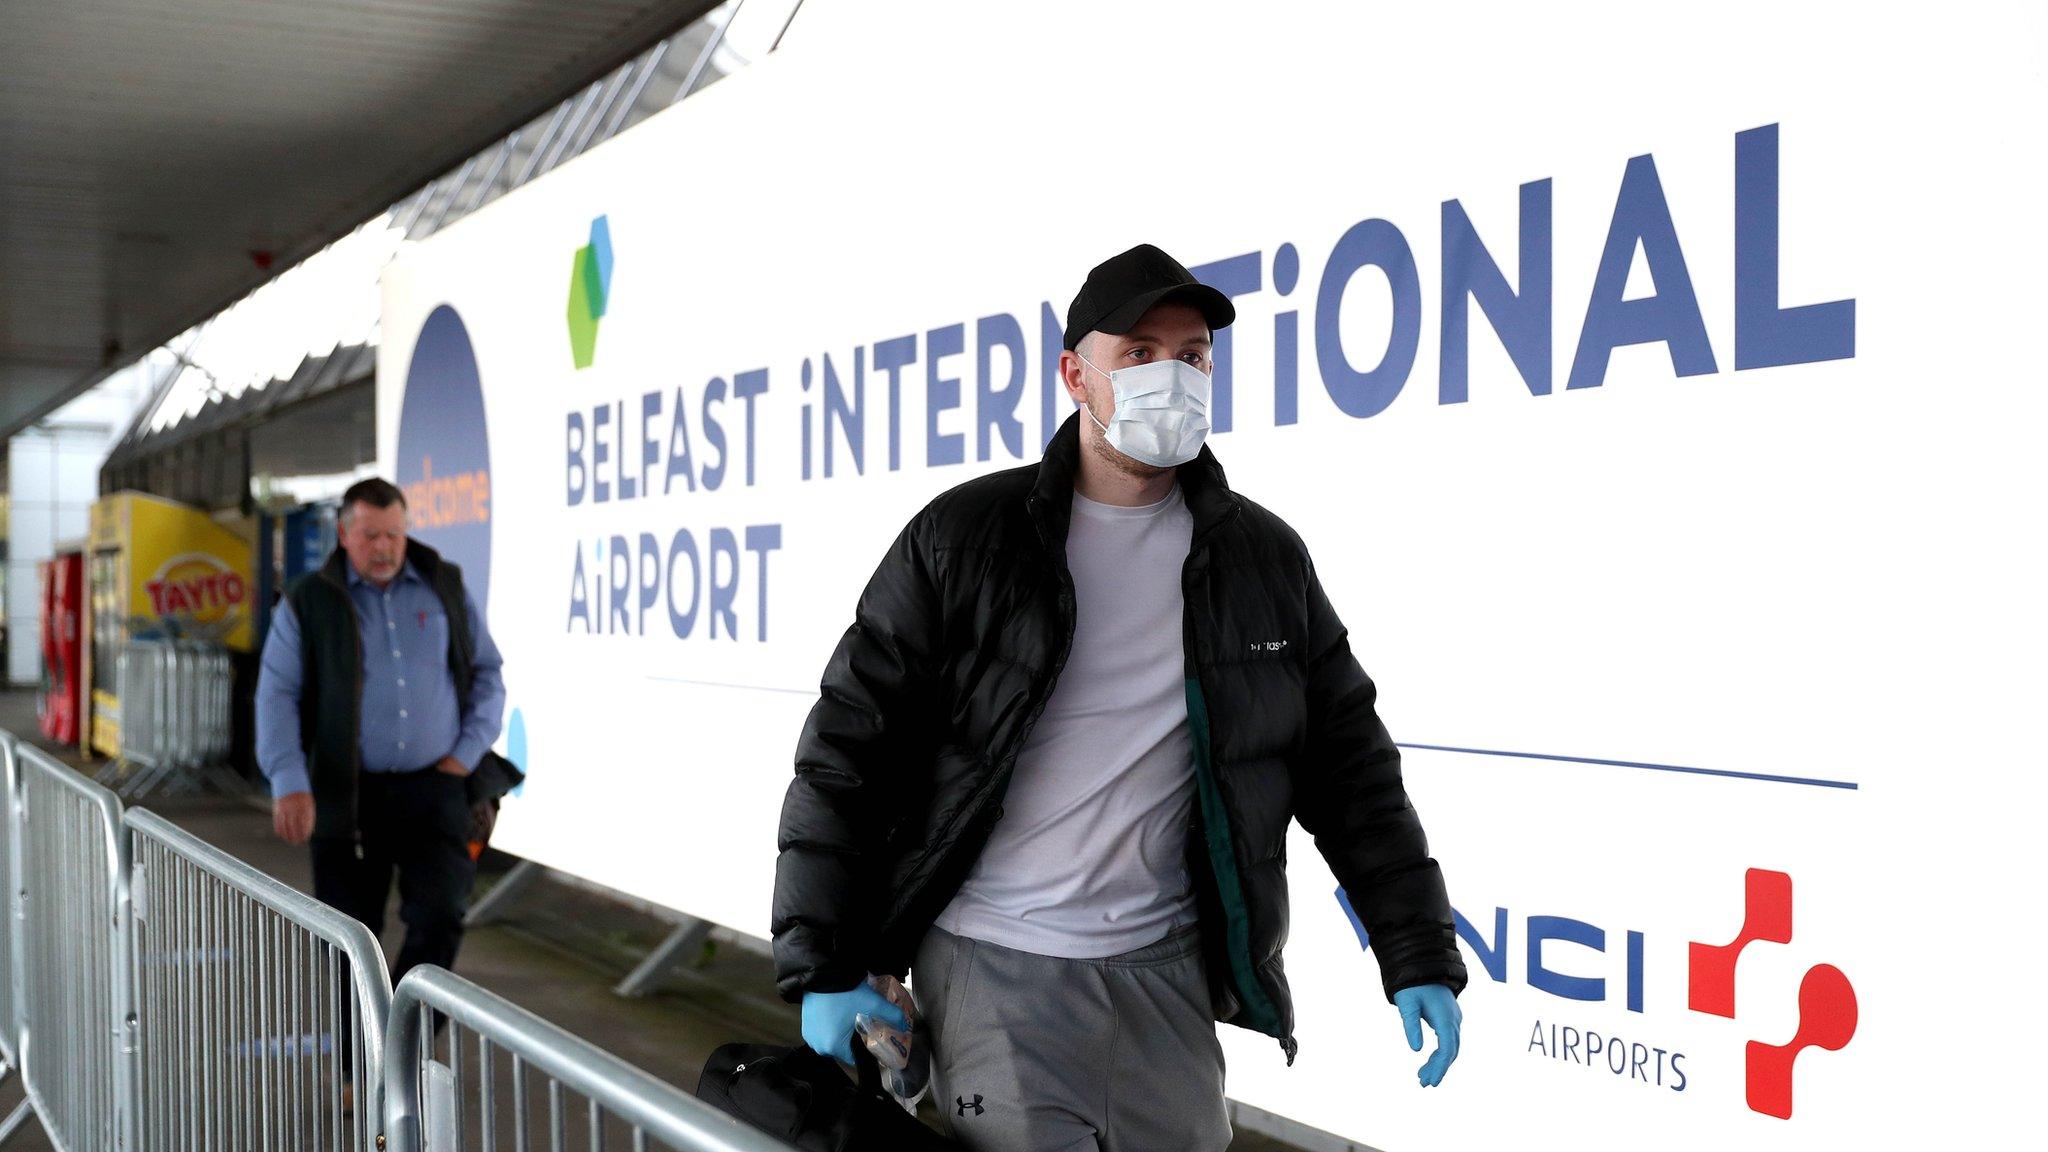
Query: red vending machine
[{"x": 63, "y": 594}]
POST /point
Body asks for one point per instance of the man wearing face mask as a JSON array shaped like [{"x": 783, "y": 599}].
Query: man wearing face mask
[{"x": 1053, "y": 761}]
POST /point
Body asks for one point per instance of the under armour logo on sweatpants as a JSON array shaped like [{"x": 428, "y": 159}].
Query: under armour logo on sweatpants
[{"x": 964, "y": 1104}]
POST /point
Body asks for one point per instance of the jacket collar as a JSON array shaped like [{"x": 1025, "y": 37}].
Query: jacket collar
[{"x": 1202, "y": 485}]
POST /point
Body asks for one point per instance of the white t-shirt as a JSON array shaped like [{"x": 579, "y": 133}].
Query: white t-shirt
[{"x": 1089, "y": 859}]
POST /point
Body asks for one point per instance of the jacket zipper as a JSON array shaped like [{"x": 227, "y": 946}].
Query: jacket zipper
[{"x": 1219, "y": 842}]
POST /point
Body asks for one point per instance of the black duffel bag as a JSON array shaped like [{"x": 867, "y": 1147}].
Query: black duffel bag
[
  {"x": 806, "y": 1099},
  {"x": 492, "y": 780}
]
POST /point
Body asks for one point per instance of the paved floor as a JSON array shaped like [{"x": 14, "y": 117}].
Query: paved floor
[{"x": 558, "y": 954}]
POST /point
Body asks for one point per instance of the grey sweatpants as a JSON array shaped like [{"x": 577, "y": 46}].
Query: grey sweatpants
[{"x": 1040, "y": 1054}]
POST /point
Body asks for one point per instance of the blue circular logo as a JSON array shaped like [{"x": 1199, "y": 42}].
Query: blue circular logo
[
  {"x": 444, "y": 454},
  {"x": 515, "y": 745}
]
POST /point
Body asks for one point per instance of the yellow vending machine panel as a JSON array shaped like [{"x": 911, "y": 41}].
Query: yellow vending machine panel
[{"x": 160, "y": 569}]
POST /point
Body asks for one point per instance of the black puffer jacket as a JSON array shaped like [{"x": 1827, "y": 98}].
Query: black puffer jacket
[{"x": 954, "y": 650}]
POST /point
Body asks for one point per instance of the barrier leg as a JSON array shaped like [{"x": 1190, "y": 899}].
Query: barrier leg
[
  {"x": 507, "y": 892},
  {"x": 144, "y": 782},
  {"x": 226, "y": 782},
  {"x": 14, "y": 1121},
  {"x": 687, "y": 940}
]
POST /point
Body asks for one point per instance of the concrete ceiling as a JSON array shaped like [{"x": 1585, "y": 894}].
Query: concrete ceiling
[{"x": 160, "y": 158}]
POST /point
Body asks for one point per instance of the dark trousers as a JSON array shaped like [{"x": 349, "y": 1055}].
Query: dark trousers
[{"x": 417, "y": 825}]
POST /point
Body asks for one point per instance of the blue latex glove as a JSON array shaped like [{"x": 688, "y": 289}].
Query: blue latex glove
[
  {"x": 828, "y": 1019},
  {"x": 1431, "y": 1002}
]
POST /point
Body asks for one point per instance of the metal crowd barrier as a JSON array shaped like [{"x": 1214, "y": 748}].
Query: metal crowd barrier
[
  {"x": 260, "y": 1010},
  {"x": 176, "y": 709},
  {"x": 10, "y": 971},
  {"x": 429, "y": 1105},
  {"x": 158, "y": 994},
  {"x": 71, "y": 901}
]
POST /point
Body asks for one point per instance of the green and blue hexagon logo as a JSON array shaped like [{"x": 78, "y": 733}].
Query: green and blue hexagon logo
[{"x": 590, "y": 283}]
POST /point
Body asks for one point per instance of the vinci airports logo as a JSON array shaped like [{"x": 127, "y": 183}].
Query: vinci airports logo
[
  {"x": 590, "y": 286},
  {"x": 444, "y": 452},
  {"x": 1826, "y": 999}
]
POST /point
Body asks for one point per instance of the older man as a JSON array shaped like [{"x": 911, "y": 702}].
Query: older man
[
  {"x": 1054, "y": 760},
  {"x": 381, "y": 690}
]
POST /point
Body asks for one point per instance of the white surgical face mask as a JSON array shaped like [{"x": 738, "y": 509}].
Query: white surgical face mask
[{"x": 1162, "y": 411}]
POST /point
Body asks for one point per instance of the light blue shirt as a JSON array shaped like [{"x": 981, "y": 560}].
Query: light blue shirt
[{"x": 411, "y": 717}]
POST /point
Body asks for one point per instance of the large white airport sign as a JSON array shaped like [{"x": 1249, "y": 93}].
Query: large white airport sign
[{"x": 1655, "y": 388}]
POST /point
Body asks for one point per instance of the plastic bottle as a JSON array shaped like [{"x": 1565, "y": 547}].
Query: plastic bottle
[{"x": 903, "y": 1054}]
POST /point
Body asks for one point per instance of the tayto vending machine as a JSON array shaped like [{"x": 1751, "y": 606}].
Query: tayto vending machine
[
  {"x": 158, "y": 569},
  {"x": 57, "y": 697}
]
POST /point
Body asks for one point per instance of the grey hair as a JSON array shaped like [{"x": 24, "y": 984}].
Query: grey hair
[{"x": 376, "y": 491}]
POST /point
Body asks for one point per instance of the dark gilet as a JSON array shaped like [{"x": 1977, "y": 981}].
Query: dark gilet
[{"x": 331, "y": 695}]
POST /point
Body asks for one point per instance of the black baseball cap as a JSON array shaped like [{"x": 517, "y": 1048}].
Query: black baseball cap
[{"x": 1120, "y": 290}]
